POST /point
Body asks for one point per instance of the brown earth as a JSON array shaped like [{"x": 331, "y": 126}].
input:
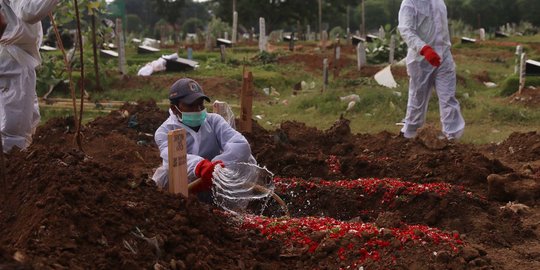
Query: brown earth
[
  {"x": 529, "y": 96},
  {"x": 62, "y": 208}
]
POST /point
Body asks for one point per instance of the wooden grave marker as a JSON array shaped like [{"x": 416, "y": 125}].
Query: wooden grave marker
[
  {"x": 246, "y": 103},
  {"x": 122, "y": 66},
  {"x": 178, "y": 180}
]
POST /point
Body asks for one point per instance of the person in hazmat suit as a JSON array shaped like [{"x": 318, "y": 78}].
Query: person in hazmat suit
[
  {"x": 210, "y": 140},
  {"x": 423, "y": 24},
  {"x": 19, "y": 57}
]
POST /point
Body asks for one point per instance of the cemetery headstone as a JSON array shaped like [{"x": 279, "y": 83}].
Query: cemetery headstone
[
  {"x": 522, "y": 72},
  {"x": 392, "y": 49},
  {"x": 190, "y": 53},
  {"x": 361, "y": 55},
  {"x": 222, "y": 52},
  {"x": 482, "y": 34},
  {"x": 262, "y": 35},
  {"x": 122, "y": 66},
  {"x": 325, "y": 74},
  {"x": 235, "y": 27},
  {"x": 519, "y": 51}
]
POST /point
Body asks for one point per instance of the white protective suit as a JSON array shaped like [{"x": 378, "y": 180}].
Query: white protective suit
[
  {"x": 19, "y": 56},
  {"x": 215, "y": 140},
  {"x": 424, "y": 22}
]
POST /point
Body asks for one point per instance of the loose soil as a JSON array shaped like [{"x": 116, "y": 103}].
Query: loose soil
[{"x": 65, "y": 209}]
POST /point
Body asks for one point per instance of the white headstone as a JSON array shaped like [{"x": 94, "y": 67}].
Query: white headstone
[
  {"x": 324, "y": 36},
  {"x": 338, "y": 52},
  {"x": 382, "y": 33},
  {"x": 392, "y": 49},
  {"x": 522, "y": 72},
  {"x": 360, "y": 55},
  {"x": 482, "y": 33},
  {"x": 519, "y": 51},
  {"x": 226, "y": 35},
  {"x": 262, "y": 35},
  {"x": 235, "y": 27},
  {"x": 121, "y": 48}
]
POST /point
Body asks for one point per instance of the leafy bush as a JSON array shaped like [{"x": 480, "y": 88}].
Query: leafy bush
[{"x": 378, "y": 51}]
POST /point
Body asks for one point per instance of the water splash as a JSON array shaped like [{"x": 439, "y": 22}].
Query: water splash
[{"x": 239, "y": 184}]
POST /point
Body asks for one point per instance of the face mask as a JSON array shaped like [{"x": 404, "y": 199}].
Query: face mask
[{"x": 193, "y": 119}]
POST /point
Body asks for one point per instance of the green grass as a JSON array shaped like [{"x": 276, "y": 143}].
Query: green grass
[{"x": 489, "y": 116}]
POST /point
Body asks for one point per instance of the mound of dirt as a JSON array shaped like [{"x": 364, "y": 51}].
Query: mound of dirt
[
  {"x": 522, "y": 147},
  {"x": 62, "y": 208},
  {"x": 296, "y": 150}
]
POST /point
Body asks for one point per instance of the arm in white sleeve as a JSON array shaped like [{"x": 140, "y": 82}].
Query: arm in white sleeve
[
  {"x": 234, "y": 145},
  {"x": 33, "y": 11},
  {"x": 408, "y": 28},
  {"x": 161, "y": 138}
]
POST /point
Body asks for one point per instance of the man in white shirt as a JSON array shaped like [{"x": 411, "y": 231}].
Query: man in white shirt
[{"x": 210, "y": 139}]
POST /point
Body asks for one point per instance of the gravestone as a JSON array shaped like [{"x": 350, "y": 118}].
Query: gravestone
[
  {"x": 224, "y": 42},
  {"x": 467, "y": 40},
  {"x": 291, "y": 42},
  {"x": 392, "y": 49},
  {"x": 222, "y": 52},
  {"x": 262, "y": 35},
  {"x": 179, "y": 64},
  {"x": 382, "y": 33},
  {"x": 361, "y": 55},
  {"x": 235, "y": 27},
  {"x": 324, "y": 36},
  {"x": 190, "y": 53},
  {"x": 522, "y": 72},
  {"x": 532, "y": 68},
  {"x": 482, "y": 34},
  {"x": 122, "y": 66},
  {"x": 517, "y": 62},
  {"x": 501, "y": 34},
  {"x": 226, "y": 35},
  {"x": 309, "y": 33},
  {"x": 325, "y": 74}
]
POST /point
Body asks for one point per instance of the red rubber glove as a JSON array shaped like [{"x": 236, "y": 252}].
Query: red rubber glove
[
  {"x": 204, "y": 170},
  {"x": 431, "y": 56}
]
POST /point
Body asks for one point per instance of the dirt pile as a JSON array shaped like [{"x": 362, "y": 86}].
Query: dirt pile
[
  {"x": 64, "y": 209},
  {"x": 297, "y": 150}
]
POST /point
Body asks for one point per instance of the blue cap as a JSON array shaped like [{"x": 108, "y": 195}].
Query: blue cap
[{"x": 186, "y": 91}]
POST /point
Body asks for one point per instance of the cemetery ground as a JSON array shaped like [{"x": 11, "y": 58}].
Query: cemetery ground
[{"x": 358, "y": 195}]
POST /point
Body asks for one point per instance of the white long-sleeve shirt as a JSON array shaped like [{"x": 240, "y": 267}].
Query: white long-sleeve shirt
[
  {"x": 424, "y": 22},
  {"x": 19, "y": 46},
  {"x": 215, "y": 140}
]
